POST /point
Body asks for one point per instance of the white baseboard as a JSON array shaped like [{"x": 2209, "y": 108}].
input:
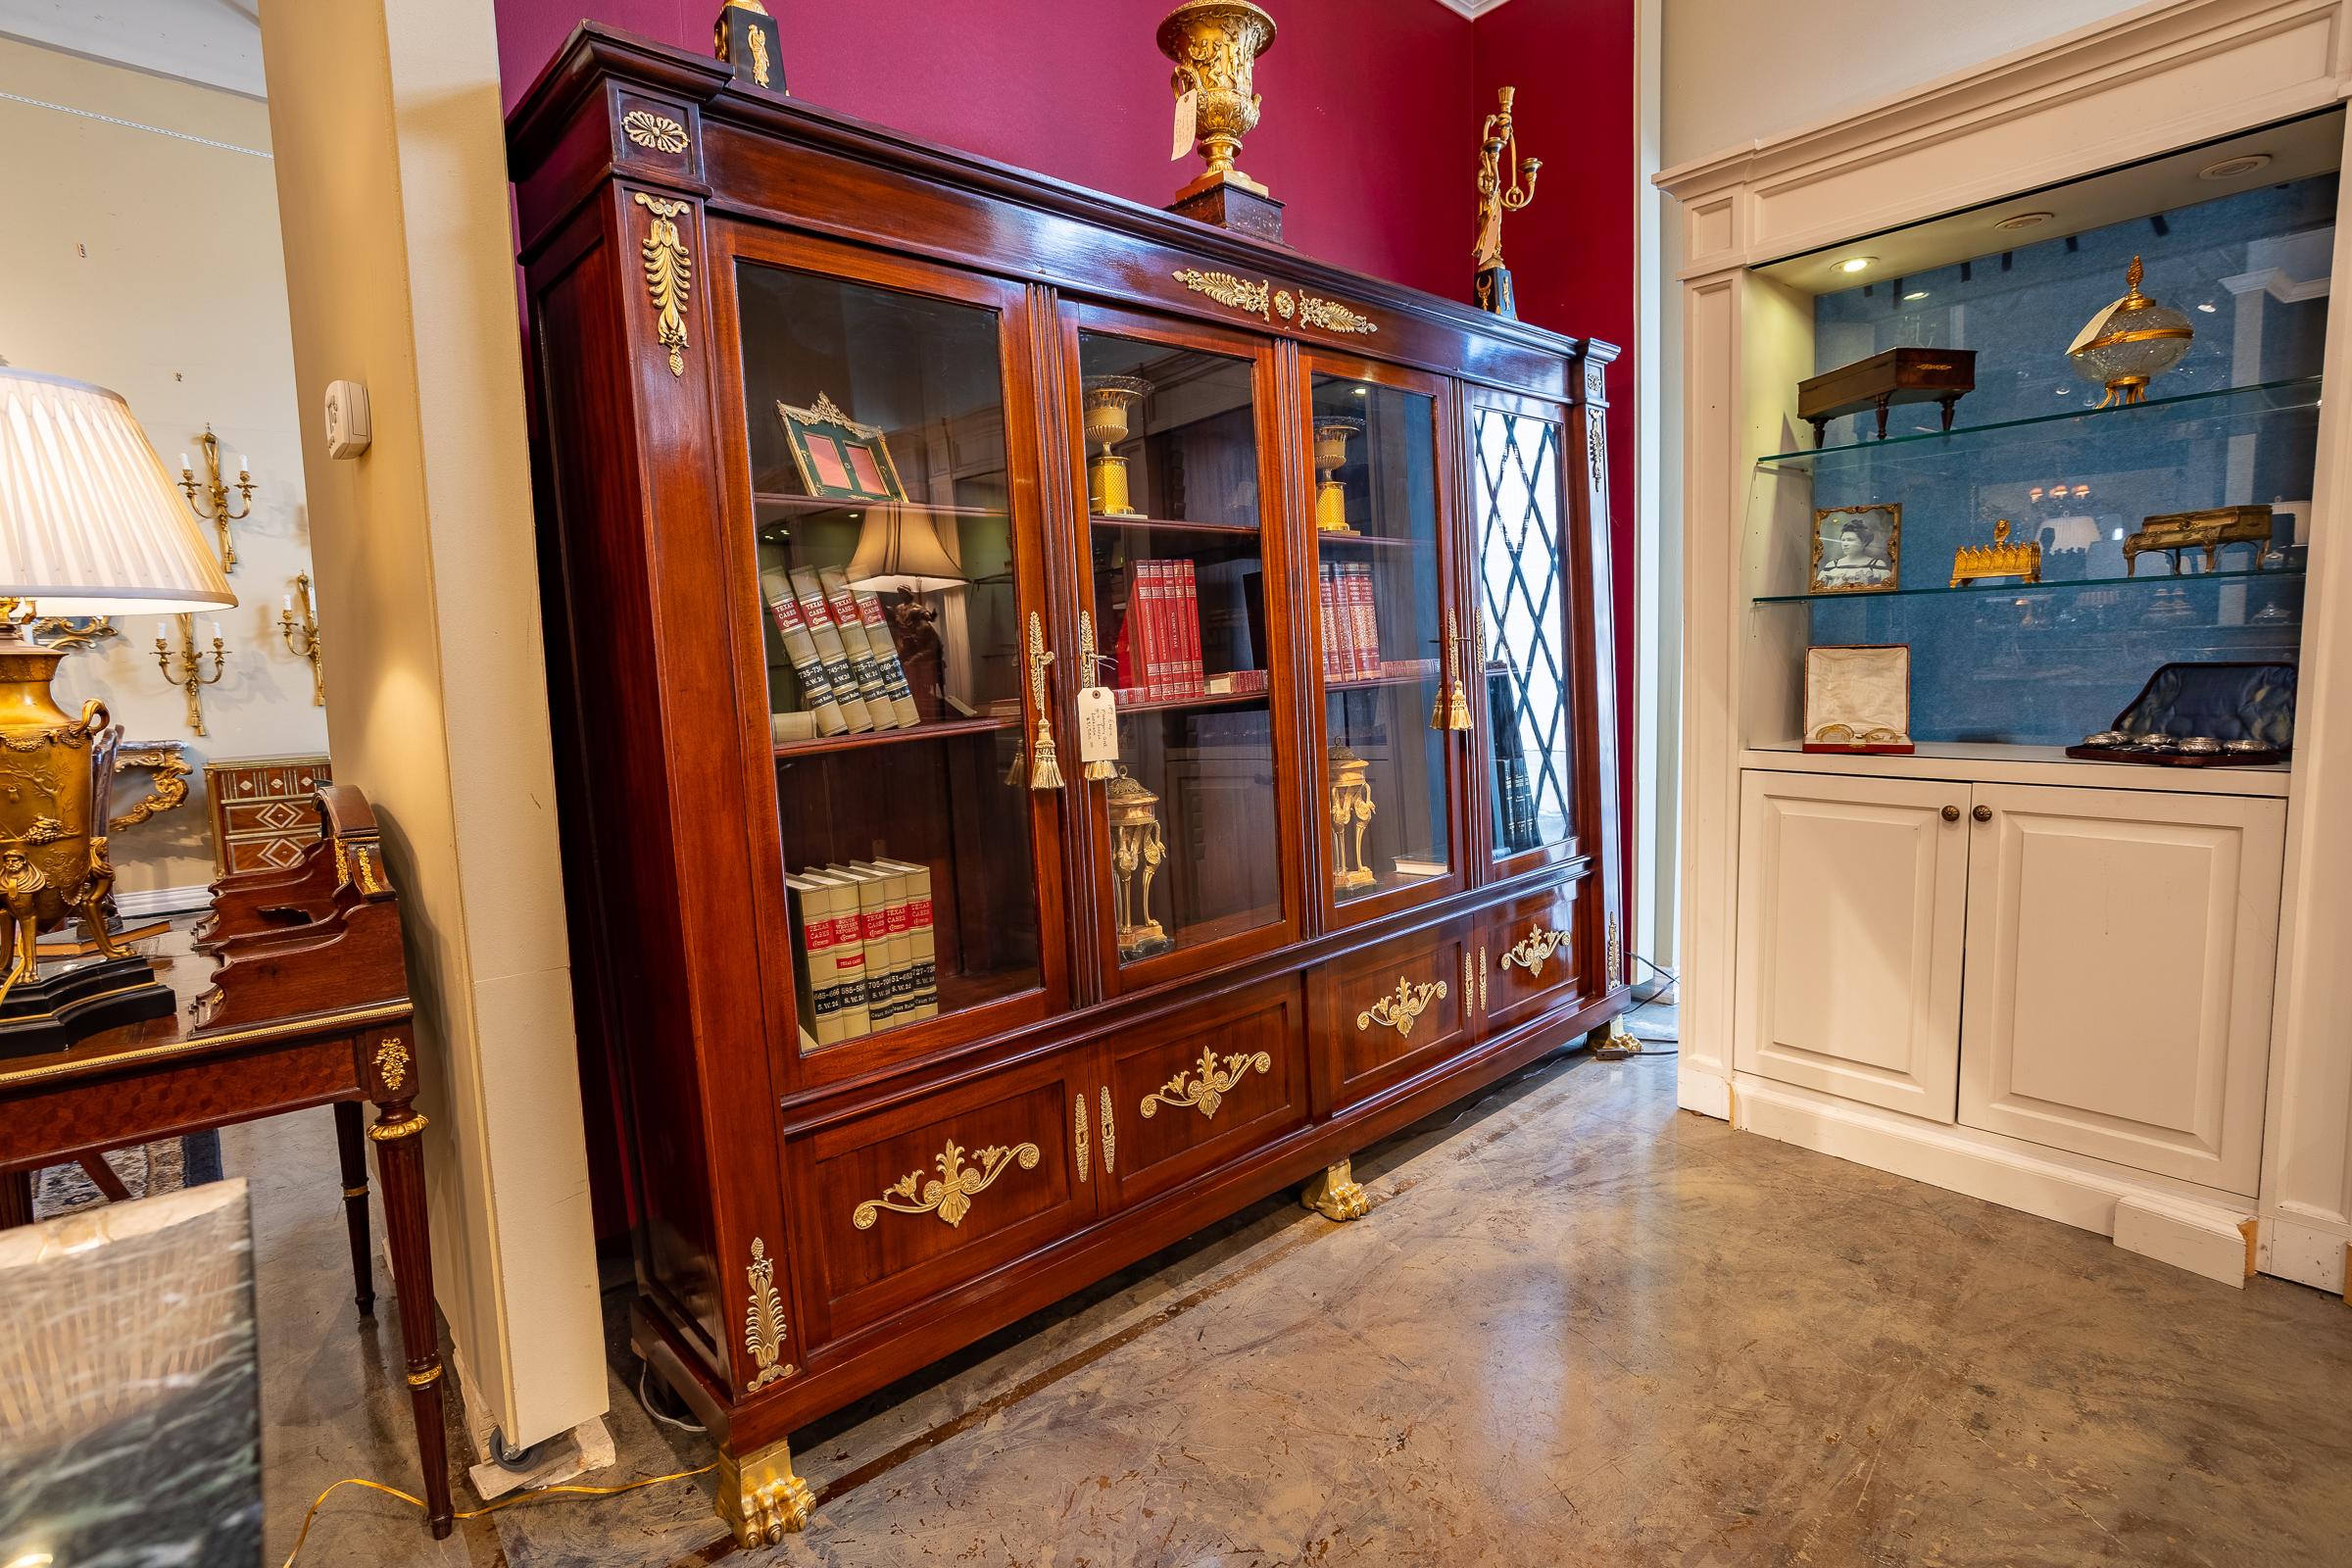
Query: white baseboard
[
  {"x": 2200, "y": 1236},
  {"x": 163, "y": 900},
  {"x": 2306, "y": 1249},
  {"x": 1708, "y": 1094}
]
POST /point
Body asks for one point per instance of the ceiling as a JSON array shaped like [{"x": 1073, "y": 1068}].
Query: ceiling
[{"x": 214, "y": 43}]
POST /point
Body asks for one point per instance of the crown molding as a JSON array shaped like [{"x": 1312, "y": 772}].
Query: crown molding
[{"x": 1472, "y": 9}]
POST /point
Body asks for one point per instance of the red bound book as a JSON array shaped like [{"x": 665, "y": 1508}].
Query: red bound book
[
  {"x": 1188, "y": 606},
  {"x": 1342, "y": 607},
  {"x": 1139, "y": 628},
  {"x": 1167, "y": 646},
  {"x": 1367, "y": 623},
  {"x": 1329, "y": 619}
]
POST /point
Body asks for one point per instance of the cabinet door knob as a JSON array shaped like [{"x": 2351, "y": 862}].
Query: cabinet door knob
[
  {"x": 1952, "y": 813},
  {"x": 1982, "y": 814}
]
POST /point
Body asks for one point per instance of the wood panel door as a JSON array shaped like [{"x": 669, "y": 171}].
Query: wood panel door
[
  {"x": 1531, "y": 956},
  {"x": 2120, "y": 947},
  {"x": 1387, "y": 1012},
  {"x": 1852, "y": 904},
  {"x": 927, "y": 1191},
  {"x": 1185, "y": 1092}
]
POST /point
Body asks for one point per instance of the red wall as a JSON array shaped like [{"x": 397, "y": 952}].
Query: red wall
[
  {"x": 1571, "y": 252},
  {"x": 1360, "y": 97}
]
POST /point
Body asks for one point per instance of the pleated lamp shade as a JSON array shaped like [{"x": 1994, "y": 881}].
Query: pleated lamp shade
[
  {"x": 900, "y": 547},
  {"x": 90, "y": 521}
]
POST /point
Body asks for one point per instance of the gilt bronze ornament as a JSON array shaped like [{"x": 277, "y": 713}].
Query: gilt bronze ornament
[{"x": 1504, "y": 185}]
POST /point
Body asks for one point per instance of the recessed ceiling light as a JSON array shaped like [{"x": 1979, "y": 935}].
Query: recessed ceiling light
[
  {"x": 1915, "y": 294},
  {"x": 2009, "y": 225},
  {"x": 2207, "y": 308},
  {"x": 2232, "y": 168},
  {"x": 1855, "y": 264}
]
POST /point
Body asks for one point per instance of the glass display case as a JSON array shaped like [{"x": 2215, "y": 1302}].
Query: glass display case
[
  {"x": 1524, "y": 668},
  {"x": 2062, "y": 540}
]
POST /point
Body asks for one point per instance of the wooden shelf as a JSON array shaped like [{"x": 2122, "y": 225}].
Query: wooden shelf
[
  {"x": 1163, "y": 705},
  {"x": 1173, "y": 526},
  {"x": 1374, "y": 682},
  {"x": 824, "y": 745},
  {"x": 772, "y": 498},
  {"x": 1992, "y": 763},
  {"x": 1371, "y": 541}
]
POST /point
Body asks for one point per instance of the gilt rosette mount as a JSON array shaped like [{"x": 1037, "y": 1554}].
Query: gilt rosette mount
[{"x": 1215, "y": 45}]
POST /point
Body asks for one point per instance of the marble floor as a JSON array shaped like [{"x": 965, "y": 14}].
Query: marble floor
[{"x": 1577, "y": 1327}]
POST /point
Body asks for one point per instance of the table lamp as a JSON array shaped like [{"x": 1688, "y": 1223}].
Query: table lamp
[
  {"x": 89, "y": 523},
  {"x": 900, "y": 547}
]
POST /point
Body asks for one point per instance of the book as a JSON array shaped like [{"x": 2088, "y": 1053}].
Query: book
[
  {"x": 899, "y": 923},
  {"x": 800, "y": 647},
  {"x": 1365, "y": 623},
  {"x": 872, "y": 893},
  {"x": 1330, "y": 621},
  {"x": 922, "y": 945},
  {"x": 838, "y": 899},
  {"x": 814, "y": 981},
  {"x": 886, "y": 658},
  {"x": 1141, "y": 624},
  {"x": 1187, "y": 586},
  {"x": 831, "y": 650},
  {"x": 842, "y": 605}
]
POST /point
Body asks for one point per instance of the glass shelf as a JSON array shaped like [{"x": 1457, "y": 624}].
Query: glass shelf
[
  {"x": 941, "y": 730},
  {"x": 2012, "y": 589},
  {"x": 2226, "y": 409},
  {"x": 1246, "y": 531}
]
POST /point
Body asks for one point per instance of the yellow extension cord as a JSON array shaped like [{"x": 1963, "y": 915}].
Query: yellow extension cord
[{"x": 476, "y": 1513}]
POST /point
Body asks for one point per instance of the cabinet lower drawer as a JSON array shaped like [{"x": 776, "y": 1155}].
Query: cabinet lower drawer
[
  {"x": 1216, "y": 1080},
  {"x": 1386, "y": 1012},
  {"x": 1530, "y": 956},
  {"x": 919, "y": 1196}
]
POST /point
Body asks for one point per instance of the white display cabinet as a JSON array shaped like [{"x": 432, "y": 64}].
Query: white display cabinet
[{"x": 2115, "y": 994}]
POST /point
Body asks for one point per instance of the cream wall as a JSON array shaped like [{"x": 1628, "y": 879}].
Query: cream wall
[
  {"x": 145, "y": 258},
  {"x": 399, "y": 260},
  {"x": 1735, "y": 71}
]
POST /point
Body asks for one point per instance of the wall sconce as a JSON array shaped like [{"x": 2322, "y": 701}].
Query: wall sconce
[
  {"x": 215, "y": 491},
  {"x": 302, "y": 636},
  {"x": 190, "y": 677}
]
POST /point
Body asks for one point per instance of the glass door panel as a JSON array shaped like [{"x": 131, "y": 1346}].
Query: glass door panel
[
  {"x": 886, "y": 550},
  {"x": 1382, "y": 603},
  {"x": 1522, "y": 654},
  {"x": 1176, "y": 593}
]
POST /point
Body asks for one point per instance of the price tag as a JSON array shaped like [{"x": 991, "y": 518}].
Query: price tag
[
  {"x": 2098, "y": 324},
  {"x": 1187, "y": 124},
  {"x": 1098, "y": 724}
]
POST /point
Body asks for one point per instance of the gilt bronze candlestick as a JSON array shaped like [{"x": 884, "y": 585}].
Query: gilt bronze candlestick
[
  {"x": 1331, "y": 454},
  {"x": 1110, "y": 401},
  {"x": 1500, "y": 190},
  {"x": 1351, "y": 810}
]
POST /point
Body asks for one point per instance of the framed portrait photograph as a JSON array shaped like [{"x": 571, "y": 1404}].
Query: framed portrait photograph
[
  {"x": 838, "y": 459},
  {"x": 1857, "y": 550}
]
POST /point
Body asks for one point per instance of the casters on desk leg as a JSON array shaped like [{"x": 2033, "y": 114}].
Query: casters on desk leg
[
  {"x": 759, "y": 1497},
  {"x": 353, "y": 1147},
  {"x": 1334, "y": 1194},
  {"x": 1611, "y": 1043}
]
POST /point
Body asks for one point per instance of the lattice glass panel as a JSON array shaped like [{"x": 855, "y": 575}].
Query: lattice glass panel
[{"x": 1525, "y": 659}]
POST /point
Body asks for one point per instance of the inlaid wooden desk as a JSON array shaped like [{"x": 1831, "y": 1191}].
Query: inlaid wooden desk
[{"x": 161, "y": 1080}]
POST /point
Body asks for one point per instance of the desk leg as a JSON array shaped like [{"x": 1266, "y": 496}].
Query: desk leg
[
  {"x": 354, "y": 1149},
  {"x": 401, "y": 1163},
  {"x": 16, "y": 1199}
]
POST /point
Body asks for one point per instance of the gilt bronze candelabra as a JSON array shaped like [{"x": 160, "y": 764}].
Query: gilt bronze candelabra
[
  {"x": 214, "y": 506},
  {"x": 302, "y": 636},
  {"x": 1500, "y": 189},
  {"x": 183, "y": 667}
]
